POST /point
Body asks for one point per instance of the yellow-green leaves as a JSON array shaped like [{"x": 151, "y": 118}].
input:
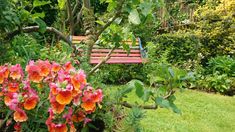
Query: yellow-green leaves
[
  {"x": 37, "y": 3},
  {"x": 134, "y": 17},
  {"x": 146, "y": 8},
  {"x": 61, "y": 4}
]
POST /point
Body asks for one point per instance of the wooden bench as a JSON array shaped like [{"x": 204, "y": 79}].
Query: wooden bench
[{"x": 119, "y": 56}]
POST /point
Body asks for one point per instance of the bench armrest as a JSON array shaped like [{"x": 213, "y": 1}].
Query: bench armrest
[{"x": 142, "y": 50}]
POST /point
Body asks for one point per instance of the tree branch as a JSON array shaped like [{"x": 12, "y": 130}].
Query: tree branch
[
  {"x": 102, "y": 61},
  {"x": 169, "y": 94},
  {"x": 78, "y": 17},
  {"x": 111, "y": 21},
  {"x": 75, "y": 7},
  {"x": 154, "y": 106},
  {"x": 70, "y": 16},
  {"x": 107, "y": 25},
  {"x": 128, "y": 105},
  {"x": 36, "y": 29}
]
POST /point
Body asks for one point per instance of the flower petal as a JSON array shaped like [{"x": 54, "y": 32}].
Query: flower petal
[
  {"x": 20, "y": 116},
  {"x": 64, "y": 97},
  {"x": 13, "y": 87},
  {"x": 57, "y": 108},
  {"x": 60, "y": 128},
  {"x": 30, "y": 103},
  {"x": 88, "y": 106}
]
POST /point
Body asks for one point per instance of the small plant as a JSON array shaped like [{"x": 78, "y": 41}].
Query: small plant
[
  {"x": 50, "y": 94},
  {"x": 222, "y": 65},
  {"x": 220, "y": 83}
]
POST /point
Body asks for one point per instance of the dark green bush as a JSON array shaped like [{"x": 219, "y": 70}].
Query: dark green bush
[
  {"x": 218, "y": 76},
  {"x": 121, "y": 73},
  {"x": 222, "y": 65},
  {"x": 22, "y": 49},
  {"x": 181, "y": 47}
]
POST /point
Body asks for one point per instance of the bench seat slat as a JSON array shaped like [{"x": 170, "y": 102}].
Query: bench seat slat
[
  {"x": 115, "y": 55},
  {"x": 115, "y": 51},
  {"x": 111, "y": 61},
  {"x": 117, "y": 58}
]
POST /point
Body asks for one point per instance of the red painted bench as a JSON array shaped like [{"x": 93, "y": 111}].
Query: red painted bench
[{"x": 119, "y": 56}]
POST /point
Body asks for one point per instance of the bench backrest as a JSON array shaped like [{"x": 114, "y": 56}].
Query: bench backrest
[{"x": 119, "y": 56}]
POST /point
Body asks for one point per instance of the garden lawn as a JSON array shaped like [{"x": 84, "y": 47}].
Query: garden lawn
[{"x": 201, "y": 112}]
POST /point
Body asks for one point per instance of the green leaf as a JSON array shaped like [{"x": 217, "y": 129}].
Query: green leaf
[
  {"x": 85, "y": 129},
  {"x": 133, "y": 38},
  {"x": 38, "y": 15},
  {"x": 100, "y": 22},
  {"x": 146, "y": 96},
  {"x": 126, "y": 90},
  {"x": 118, "y": 20},
  {"x": 134, "y": 17},
  {"x": 66, "y": 48},
  {"x": 171, "y": 72},
  {"x": 139, "y": 88},
  {"x": 127, "y": 48},
  {"x": 42, "y": 25},
  {"x": 158, "y": 79},
  {"x": 146, "y": 8},
  {"x": 175, "y": 108},
  {"x": 37, "y": 3},
  {"x": 112, "y": 5},
  {"x": 138, "y": 85},
  {"x": 24, "y": 15},
  {"x": 61, "y": 4},
  {"x": 162, "y": 102}
]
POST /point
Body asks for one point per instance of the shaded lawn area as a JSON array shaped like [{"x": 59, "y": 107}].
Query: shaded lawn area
[{"x": 201, "y": 111}]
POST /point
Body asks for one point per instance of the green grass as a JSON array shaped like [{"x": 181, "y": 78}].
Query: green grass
[{"x": 201, "y": 112}]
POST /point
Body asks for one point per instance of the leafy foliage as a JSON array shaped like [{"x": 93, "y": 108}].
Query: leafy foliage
[
  {"x": 222, "y": 65},
  {"x": 180, "y": 48},
  {"x": 216, "y": 30},
  {"x": 22, "y": 49},
  {"x": 132, "y": 121},
  {"x": 217, "y": 76},
  {"x": 120, "y": 74}
]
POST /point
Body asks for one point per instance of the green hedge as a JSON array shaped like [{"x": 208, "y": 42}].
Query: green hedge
[{"x": 180, "y": 47}]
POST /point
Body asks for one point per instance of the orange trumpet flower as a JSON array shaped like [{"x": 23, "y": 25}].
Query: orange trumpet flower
[
  {"x": 34, "y": 73},
  {"x": 30, "y": 103},
  {"x": 20, "y": 116},
  {"x": 64, "y": 97}
]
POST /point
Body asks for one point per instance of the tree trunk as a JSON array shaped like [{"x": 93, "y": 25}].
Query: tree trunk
[
  {"x": 70, "y": 17},
  {"x": 89, "y": 25}
]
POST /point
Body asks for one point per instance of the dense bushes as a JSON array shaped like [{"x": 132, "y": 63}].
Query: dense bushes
[
  {"x": 218, "y": 76},
  {"x": 188, "y": 51},
  {"x": 207, "y": 51},
  {"x": 24, "y": 48},
  {"x": 216, "y": 28},
  {"x": 222, "y": 65},
  {"x": 121, "y": 73},
  {"x": 213, "y": 36},
  {"x": 180, "y": 47}
]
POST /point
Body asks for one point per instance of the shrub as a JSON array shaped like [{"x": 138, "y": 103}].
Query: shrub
[
  {"x": 222, "y": 65},
  {"x": 22, "y": 49},
  {"x": 181, "y": 47},
  {"x": 50, "y": 96},
  {"x": 216, "y": 28},
  {"x": 121, "y": 73},
  {"x": 218, "y": 76}
]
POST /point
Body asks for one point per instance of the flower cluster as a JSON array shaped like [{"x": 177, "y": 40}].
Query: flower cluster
[{"x": 71, "y": 98}]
